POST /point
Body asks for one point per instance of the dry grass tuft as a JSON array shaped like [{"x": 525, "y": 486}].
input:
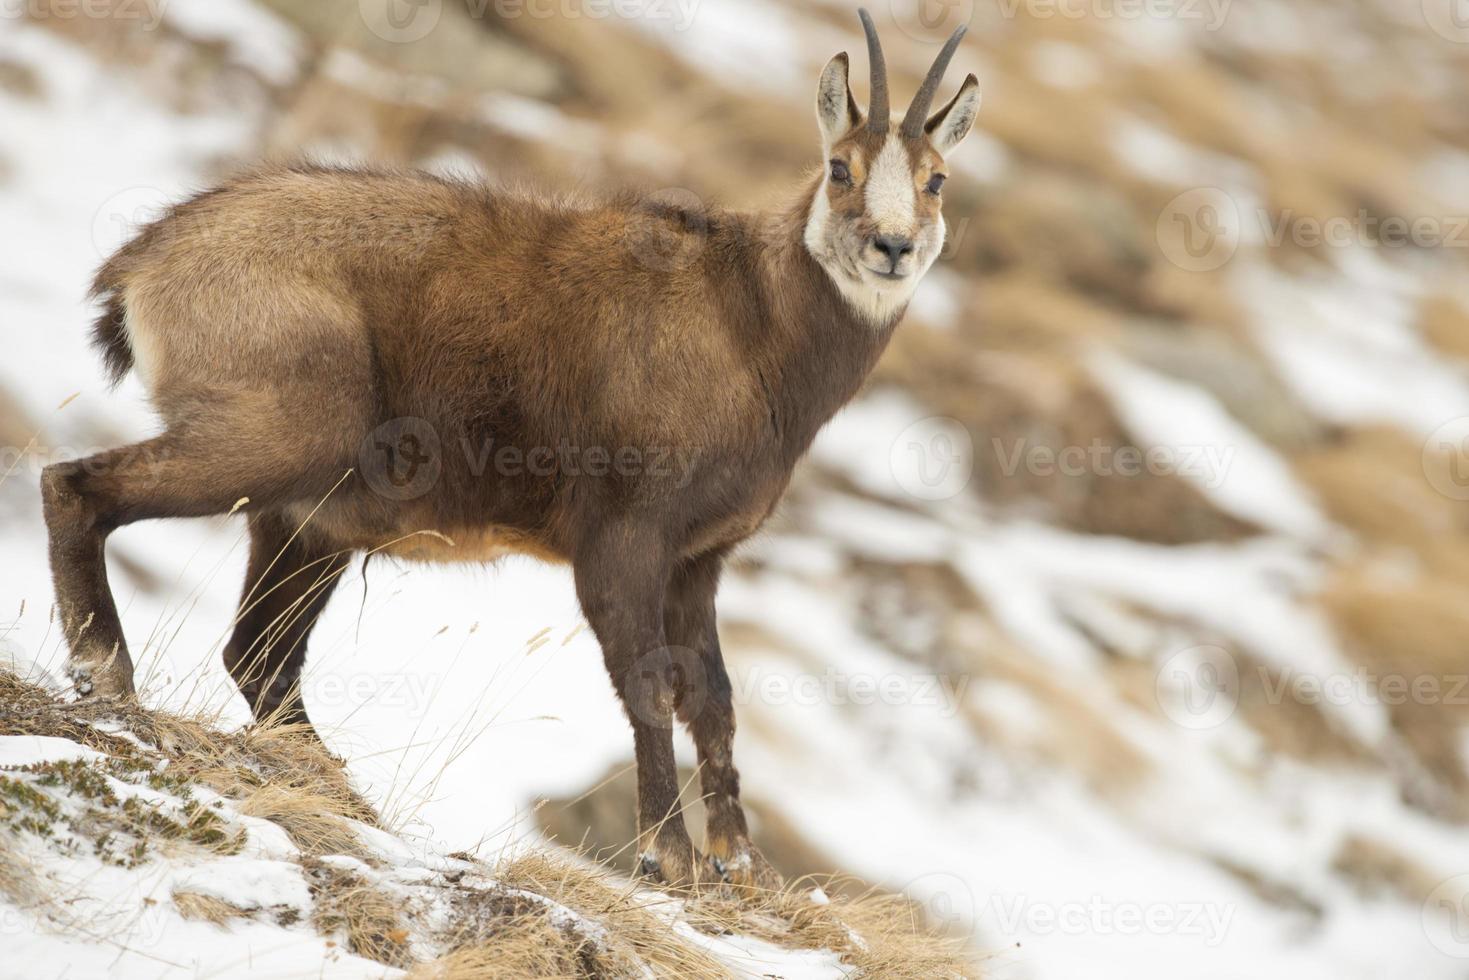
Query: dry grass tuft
[
  {"x": 503, "y": 933},
  {"x": 633, "y": 938},
  {"x": 880, "y": 934},
  {"x": 531, "y": 949},
  {"x": 32, "y": 710},
  {"x": 1378, "y": 869},
  {"x": 198, "y": 907},
  {"x": 1407, "y": 635},
  {"x": 315, "y": 823},
  {"x": 280, "y": 755},
  {"x": 18, "y": 883},
  {"x": 370, "y": 918},
  {"x": 281, "y": 774}
]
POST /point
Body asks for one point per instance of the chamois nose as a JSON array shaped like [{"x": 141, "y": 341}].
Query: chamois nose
[{"x": 894, "y": 247}]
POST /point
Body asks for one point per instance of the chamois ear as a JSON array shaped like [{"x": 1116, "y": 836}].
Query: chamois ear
[
  {"x": 836, "y": 110},
  {"x": 947, "y": 128}
]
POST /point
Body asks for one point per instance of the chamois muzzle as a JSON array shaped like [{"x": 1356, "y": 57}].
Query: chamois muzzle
[{"x": 895, "y": 248}]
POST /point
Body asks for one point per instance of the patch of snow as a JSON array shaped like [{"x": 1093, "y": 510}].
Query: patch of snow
[
  {"x": 248, "y": 883},
  {"x": 1162, "y": 157},
  {"x": 531, "y": 119},
  {"x": 754, "y": 42},
  {"x": 877, "y": 531},
  {"x": 982, "y": 157},
  {"x": 31, "y": 750},
  {"x": 14, "y": 659},
  {"x": 936, "y": 300},
  {"x": 351, "y": 69},
  {"x": 253, "y": 34},
  {"x": 1209, "y": 449},
  {"x": 1344, "y": 344}
]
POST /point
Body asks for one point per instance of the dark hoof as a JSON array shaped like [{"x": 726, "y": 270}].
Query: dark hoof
[
  {"x": 695, "y": 874},
  {"x": 748, "y": 870},
  {"x": 99, "y": 681}
]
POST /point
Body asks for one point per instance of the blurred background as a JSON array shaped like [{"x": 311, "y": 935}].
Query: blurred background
[{"x": 1121, "y": 621}]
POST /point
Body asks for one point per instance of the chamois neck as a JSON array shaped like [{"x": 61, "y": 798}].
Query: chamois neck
[{"x": 817, "y": 349}]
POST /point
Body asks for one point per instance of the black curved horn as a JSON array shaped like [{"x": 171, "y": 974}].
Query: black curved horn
[
  {"x": 917, "y": 113},
  {"x": 877, "y": 110}
]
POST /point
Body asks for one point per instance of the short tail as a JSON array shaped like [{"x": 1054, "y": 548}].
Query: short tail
[{"x": 109, "y": 331}]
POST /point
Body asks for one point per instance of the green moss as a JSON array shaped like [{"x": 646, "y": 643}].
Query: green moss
[
  {"x": 197, "y": 824},
  {"x": 23, "y": 807},
  {"x": 122, "y": 830},
  {"x": 167, "y": 782},
  {"x": 81, "y": 779}
]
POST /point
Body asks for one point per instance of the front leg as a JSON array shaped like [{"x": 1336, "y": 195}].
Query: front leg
[
  {"x": 621, "y": 576},
  {"x": 706, "y": 706}
]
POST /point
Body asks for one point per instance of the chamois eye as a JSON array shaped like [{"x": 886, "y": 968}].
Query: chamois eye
[
  {"x": 936, "y": 183},
  {"x": 840, "y": 173}
]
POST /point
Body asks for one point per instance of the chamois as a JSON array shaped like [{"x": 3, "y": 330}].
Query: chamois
[{"x": 395, "y": 363}]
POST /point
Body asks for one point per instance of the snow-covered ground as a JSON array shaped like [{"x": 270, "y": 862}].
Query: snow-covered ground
[{"x": 111, "y": 856}]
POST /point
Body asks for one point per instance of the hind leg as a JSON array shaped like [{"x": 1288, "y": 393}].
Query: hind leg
[
  {"x": 291, "y": 576},
  {"x": 172, "y": 475},
  {"x": 77, "y": 529}
]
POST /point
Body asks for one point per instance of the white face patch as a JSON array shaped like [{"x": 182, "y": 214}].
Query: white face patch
[
  {"x": 892, "y": 201},
  {"x": 890, "y": 207}
]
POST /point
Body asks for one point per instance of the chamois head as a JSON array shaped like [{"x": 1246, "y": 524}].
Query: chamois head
[{"x": 875, "y": 222}]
